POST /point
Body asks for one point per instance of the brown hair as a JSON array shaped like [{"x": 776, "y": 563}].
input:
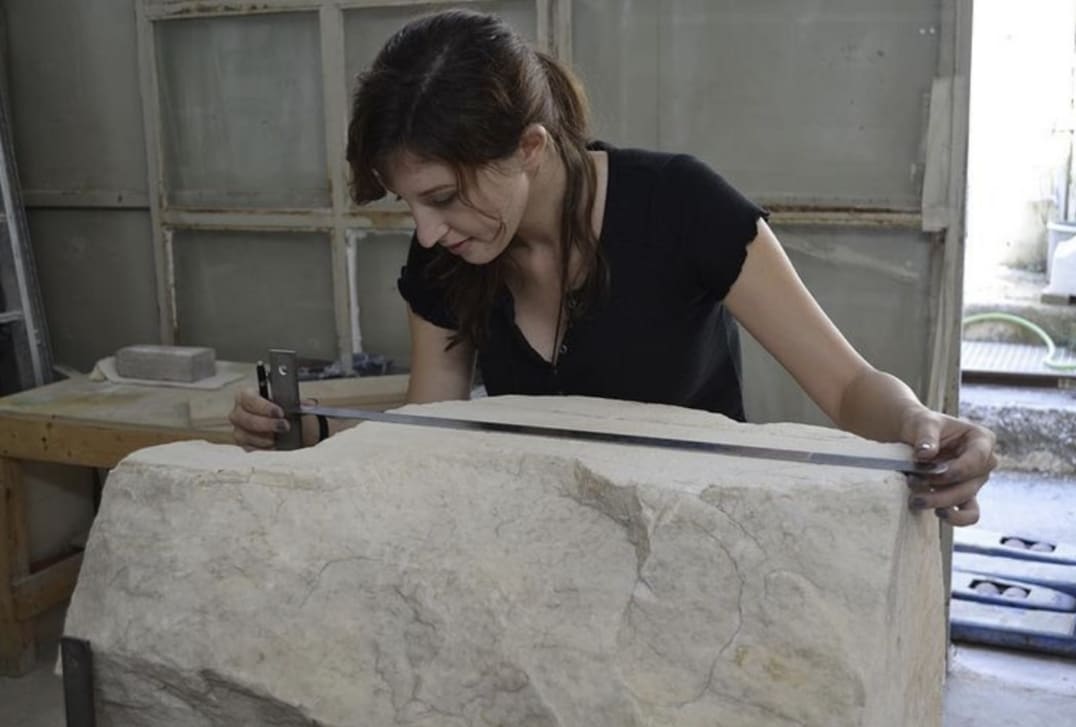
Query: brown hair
[{"x": 460, "y": 87}]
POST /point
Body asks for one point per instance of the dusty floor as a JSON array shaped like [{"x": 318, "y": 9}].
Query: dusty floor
[
  {"x": 35, "y": 700},
  {"x": 994, "y": 688}
]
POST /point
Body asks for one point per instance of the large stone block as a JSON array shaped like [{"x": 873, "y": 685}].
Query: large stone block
[{"x": 413, "y": 576}]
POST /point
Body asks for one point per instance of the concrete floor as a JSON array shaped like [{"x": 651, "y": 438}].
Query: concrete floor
[
  {"x": 995, "y": 688},
  {"x": 990, "y": 688},
  {"x": 35, "y": 700},
  {"x": 986, "y": 687}
]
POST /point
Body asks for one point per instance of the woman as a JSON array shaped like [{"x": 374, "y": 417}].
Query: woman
[{"x": 570, "y": 267}]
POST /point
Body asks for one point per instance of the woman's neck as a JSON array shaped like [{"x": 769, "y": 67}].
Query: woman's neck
[
  {"x": 536, "y": 250},
  {"x": 540, "y": 225}
]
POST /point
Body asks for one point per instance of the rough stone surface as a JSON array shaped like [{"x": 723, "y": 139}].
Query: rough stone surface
[
  {"x": 409, "y": 576},
  {"x": 1036, "y": 428},
  {"x": 166, "y": 363}
]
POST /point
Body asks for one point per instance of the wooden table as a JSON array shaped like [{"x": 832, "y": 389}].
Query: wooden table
[{"x": 96, "y": 424}]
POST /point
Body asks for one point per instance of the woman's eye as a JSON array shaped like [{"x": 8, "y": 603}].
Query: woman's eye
[{"x": 444, "y": 201}]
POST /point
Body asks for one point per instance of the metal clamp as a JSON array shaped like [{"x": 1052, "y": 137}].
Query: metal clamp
[
  {"x": 77, "y": 659},
  {"x": 284, "y": 383}
]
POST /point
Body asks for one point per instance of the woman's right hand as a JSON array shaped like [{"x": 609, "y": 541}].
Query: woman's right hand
[{"x": 255, "y": 420}]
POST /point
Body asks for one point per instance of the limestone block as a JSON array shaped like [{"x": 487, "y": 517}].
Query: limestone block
[
  {"x": 166, "y": 363},
  {"x": 413, "y": 576}
]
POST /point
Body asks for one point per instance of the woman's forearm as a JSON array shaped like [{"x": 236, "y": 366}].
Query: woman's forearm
[
  {"x": 310, "y": 428},
  {"x": 876, "y": 405}
]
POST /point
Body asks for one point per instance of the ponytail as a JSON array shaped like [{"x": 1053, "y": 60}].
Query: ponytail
[
  {"x": 568, "y": 96},
  {"x": 571, "y": 134}
]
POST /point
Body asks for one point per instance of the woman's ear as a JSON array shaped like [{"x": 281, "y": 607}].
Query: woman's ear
[{"x": 533, "y": 143}]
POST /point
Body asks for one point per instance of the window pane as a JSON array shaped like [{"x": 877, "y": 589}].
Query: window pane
[
  {"x": 97, "y": 277},
  {"x": 246, "y": 292},
  {"x": 382, "y": 312},
  {"x": 75, "y": 100},
  {"x": 241, "y": 112},
  {"x": 825, "y": 104}
]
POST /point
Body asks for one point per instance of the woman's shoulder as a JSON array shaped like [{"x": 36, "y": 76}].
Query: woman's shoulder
[
  {"x": 676, "y": 169},
  {"x": 666, "y": 182},
  {"x": 679, "y": 194}
]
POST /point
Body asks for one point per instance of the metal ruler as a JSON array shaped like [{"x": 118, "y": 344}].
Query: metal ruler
[{"x": 285, "y": 393}]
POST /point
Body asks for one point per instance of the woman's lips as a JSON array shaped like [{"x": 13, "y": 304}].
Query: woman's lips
[{"x": 456, "y": 247}]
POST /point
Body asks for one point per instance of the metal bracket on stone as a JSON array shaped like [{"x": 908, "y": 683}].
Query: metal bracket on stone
[
  {"x": 77, "y": 659},
  {"x": 284, "y": 383}
]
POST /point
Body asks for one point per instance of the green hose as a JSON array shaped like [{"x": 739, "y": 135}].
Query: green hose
[{"x": 1051, "y": 349}]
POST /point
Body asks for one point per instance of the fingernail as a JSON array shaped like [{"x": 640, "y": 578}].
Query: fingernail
[
  {"x": 915, "y": 481},
  {"x": 918, "y": 503},
  {"x": 943, "y": 513},
  {"x": 282, "y": 426},
  {"x": 278, "y": 413},
  {"x": 925, "y": 446}
]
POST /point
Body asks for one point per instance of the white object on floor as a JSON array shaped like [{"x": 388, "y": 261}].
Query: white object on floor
[{"x": 1063, "y": 269}]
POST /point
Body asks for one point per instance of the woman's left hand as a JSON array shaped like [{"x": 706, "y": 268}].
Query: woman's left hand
[{"x": 966, "y": 449}]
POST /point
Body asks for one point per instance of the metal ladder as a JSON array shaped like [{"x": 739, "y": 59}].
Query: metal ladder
[{"x": 24, "y": 338}]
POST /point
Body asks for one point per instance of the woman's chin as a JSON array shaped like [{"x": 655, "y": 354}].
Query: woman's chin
[{"x": 477, "y": 254}]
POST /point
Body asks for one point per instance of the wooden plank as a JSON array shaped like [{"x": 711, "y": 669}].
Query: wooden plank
[
  {"x": 166, "y": 10},
  {"x": 253, "y": 219},
  {"x": 151, "y": 124},
  {"x": 943, "y": 392},
  {"x": 369, "y": 392},
  {"x": 38, "y": 592},
  {"x": 362, "y": 391},
  {"x": 17, "y": 648},
  {"x": 107, "y": 403},
  {"x": 336, "y": 95},
  {"x": 562, "y": 31},
  {"x": 543, "y": 33},
  {"x": 109, "y": 199},
  {"x": 49, "y": 439},
  {"x": 821, "y": 215},
  {"x": 935, "y": 201}
]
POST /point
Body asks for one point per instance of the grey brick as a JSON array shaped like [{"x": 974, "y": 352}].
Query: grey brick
[{"x": 166, "y": 363}]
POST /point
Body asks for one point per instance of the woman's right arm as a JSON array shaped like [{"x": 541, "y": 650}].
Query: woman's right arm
[{"x": 438, "y": 373}]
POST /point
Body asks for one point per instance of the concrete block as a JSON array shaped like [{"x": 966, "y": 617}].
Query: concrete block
[
  {"x": 166, "y": 363},
  {"x": 1035, "y": 427},
  {"x": 405, "y": 575}
]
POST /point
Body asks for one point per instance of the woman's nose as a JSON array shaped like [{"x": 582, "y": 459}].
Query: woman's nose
[{"x": 429, "y": 228}]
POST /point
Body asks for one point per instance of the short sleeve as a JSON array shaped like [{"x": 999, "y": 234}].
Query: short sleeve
[
  {"x": 424, "y": 295},
  {"x": 717, "y": 223}
]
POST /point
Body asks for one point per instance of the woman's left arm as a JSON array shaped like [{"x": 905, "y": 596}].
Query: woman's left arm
[{"x": 772, "y": 303}]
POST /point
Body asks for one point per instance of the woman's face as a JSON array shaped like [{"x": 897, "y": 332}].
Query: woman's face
[{"x": 477, "y": 230}]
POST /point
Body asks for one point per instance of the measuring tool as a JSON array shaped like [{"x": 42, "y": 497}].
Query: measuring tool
[{"x": 285, "y": 393}]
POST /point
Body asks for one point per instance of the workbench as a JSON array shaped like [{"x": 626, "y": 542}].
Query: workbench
[{"x": 96, "y": 424}]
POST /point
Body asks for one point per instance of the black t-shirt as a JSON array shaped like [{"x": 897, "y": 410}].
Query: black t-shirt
[{"x": 674, "y": 236}]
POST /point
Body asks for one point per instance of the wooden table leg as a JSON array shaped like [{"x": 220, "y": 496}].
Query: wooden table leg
[{"x": 16, "y": 636}]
